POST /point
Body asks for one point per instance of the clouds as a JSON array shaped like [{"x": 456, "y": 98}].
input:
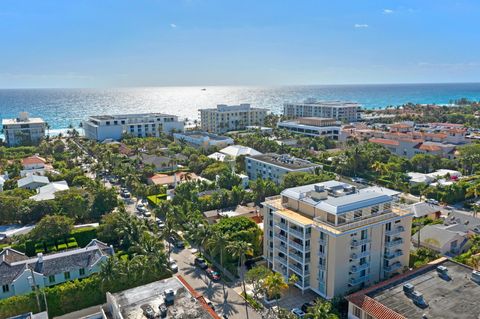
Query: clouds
[
  {"x": 173, "y": 25},
  {"x": 387, "y": 11},
  {"x": 360, "y": 25}
]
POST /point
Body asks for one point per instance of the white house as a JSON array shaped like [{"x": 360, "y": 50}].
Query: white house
[
  {"x": 203, "y": 139},
  {"x": 18, "y": 272},
  {"x": 32, "y": 181},
  {"x": 48, "y": 191},
  {"x": 442, "y": 239},
  {"x": 232, "y": 152}
]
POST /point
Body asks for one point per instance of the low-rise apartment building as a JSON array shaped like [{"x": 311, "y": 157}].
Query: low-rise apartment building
[
  {"x": 313, "y": 126},
  {"x": 102, "y": 127},
  {"x": 275, "y": 166},
  {"x": 18, "y": 273},
  {"x": 23, "y": 130},
  {"x": 226, "y": 118},
  {"x": 203, "y": 139},
  {"x": 335, "y": 238},
  {"x": 338, "y": 110}
]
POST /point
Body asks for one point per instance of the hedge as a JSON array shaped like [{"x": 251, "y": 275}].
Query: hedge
[
  {"x": 154, "y": 200},
  {"x": 84, "y": 236}
]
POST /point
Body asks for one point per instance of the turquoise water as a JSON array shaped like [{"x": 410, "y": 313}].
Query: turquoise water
[{"x": 62, "y": 107}]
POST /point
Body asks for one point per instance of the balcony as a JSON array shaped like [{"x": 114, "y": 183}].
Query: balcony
[
  {"x": 395, "y": 254},
  {"x": 282, "y": 226},
  {"x": 322, "y": 241},
  {"x": 296, "y": 233},
  {"x": 359, "y": 255},
  {"x": 322, "y": 254},
  {"x": 359, "y": 242},
  {"x": 282, "y": 260},
  {"x": 281, "y": 237},
  {"x": 322, "y": 267},
  {"x": 283, "y": 249},
  {"x": 358, "y": 280},
  {"x": 357, "y": 268},
  {"x": 297, "y": 246},
  {"x": 395, "y": 230},
  {"x": 298, "y": 270},
  {"x": 394, "y": 242},
  {"x": 298, "y": 258},
  {"x": 393, "y": 267}
]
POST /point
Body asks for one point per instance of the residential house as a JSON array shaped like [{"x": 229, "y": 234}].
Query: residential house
[
  {"x": 48, "y": 191},
  {"x": 32, "y": 182},
  {"x": 442, "y": 239},
  {"x": 202, "y": 139}
]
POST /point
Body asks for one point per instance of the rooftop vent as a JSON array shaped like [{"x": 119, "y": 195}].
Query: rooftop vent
[
  {"x": 476, "y": 276},
  {"x": 408, "y": 288},
  {"x": 442, "y": 270}
]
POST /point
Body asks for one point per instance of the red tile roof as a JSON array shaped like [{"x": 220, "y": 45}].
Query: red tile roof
[
  {"x": 35, "y": 159},
  {"x": 384, "y": 141}
]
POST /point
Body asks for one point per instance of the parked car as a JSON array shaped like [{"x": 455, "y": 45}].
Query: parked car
[
  {"x": 125, "y": 194},
  {"x": 173, "y": 265},
  {"x": 209, "y": 303},
  {"x": 163, "y": 310},
  {"x": 307, "y": 305},
  {"x": 212, "y": 274},
  {"x": 147, "y": 213},
  {"x": 298, "y": 312},
  {"x": 180, "y": 244},
  {"x": 148, "y": 311},
  {"x": 201, "y": 263}
]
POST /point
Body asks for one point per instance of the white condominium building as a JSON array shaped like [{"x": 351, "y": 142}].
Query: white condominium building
[
  {"x": 226, "y": 118},
  {"x": 102, "y": 127},
  {"x": 339, "y": 110},
  {"x": 23, "y": 130},
  {"x": 336, "y": 238},
  {"x": 313, "y": 126}
]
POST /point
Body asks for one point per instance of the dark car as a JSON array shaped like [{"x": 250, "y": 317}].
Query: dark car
[
  {"x": 212, "y": 274},
  {"x": 180, "y": 244},
  {"x": 307, "y": 305},
  {"x": 163, "y": 310},
  {"x": 148, "y": 311},
  {"x": 200, "y": 262}
]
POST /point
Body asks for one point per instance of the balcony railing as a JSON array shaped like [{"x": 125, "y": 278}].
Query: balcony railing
[
  {"x": 359, "y": 255},
  {"x": 322, "y": 267},
  {"x": 393, "y": 267},
  {"x": 298, "y": 270},
  {"x": 282, "y": 226},
  {"x": 297, "y": 246},
  {"x": 281, "y": 260},
  {"x": 359, "y": 280},
  {"x": 394, "y": 242},
  {"x": 322, "y": 241},
  {"x": 357, "y": 268},
  {"x": 322, "y": 254},
  {"x": 359, "y": 242},
  {"x": 280, "y": 236},
  {"x": 396, "y": 230},
  {"x": 299, "y": 258},
  {"x": 296, "y": 233},
  {"x": 283, "y": 249},
  {"x": 395, "y": 254}
]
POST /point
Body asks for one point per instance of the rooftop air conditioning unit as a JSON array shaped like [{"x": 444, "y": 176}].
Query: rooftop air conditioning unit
[{"x": 476, "y": 276}]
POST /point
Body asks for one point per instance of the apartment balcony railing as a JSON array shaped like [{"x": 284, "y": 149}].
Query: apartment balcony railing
[
  {"x": 322, "y": 254},
  {"x": 282, "y": 226},
  {"x": 282, "y": 237},
  {"x": 394, "y": 242},
  {"x": 283, "y": 249},
  {"x": 296, "y": 233},
  {"x": 358, "y": 280},
  {"x": 359, "y": 255},
  {"x": 299, "y": 258},
  {"x": 297, "y": 246},
  {"x": 395, "y": 230},
  {"x": 393, "y": 267},
  {"x": 359, "y": 242},
  {"x": 281, "y": 260},
  {"x": 322, "y": 267},
  {"x": 280, "y": 270},
  {"x": 357, "y": 268},
  {"x": 322, "y": 241},
  {"x": 296, "y": 269},
  {"x": 395, "y": 254}
]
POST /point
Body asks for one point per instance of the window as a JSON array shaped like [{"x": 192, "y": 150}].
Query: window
[
  {"x": 357, "y": 312},
  {"x": 5, "y": 288},
  {"x": 368, "y": 316},
  {"x": 364, "y": 234},
  {"x": 364, "y": 248},
  {"x": 341, "y": 219},
  {"x": 82, "y": 271},
  {"x": 357, "y": 214},
  {"x": 66, "y": 275},
  {"x": 51, "y": 278},
  {"x": 375, "y": 209}
]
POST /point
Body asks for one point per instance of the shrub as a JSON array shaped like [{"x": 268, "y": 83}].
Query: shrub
[
  {"x": 83, "y": 236},
  {"x": 72, "y": 244},
  {"x": 30, "y": 248},
  {"x": 254, "y": 303},
  {"x": 62, "y": 247}
]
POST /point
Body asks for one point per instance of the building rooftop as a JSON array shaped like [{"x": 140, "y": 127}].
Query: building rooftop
[
  {"x": 186, "y": 303},
  {"x": 31, "y": 315},
  {"x": 200, "y": 135},
  {"x": 123, "y": 116},
  {"x": 48, "y": 191},
  {"x": 328, "y": 103},
  {"x": 452, "y": 296},
  {"x": 32, "y": 179},
  {"x": 284, "y": 160},
  {"x": 35, "y": 159},
  {"x": 238, "y": 150}
]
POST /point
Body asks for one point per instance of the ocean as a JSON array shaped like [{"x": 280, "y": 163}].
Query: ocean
[{"x": 64, "y": 107}]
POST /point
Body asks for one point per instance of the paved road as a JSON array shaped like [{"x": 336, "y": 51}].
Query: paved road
[{"x": 232, "y": 306}]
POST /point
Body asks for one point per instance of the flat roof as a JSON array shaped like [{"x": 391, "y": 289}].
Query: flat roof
[
  {"x": 454, "y": 297},
  {"x": 186, "y": 305},
  {"x": 30, "y": 120},
  {"x": 133, "y": 115},
  {"x": 284, "y": 160},
  {"x": 200, "y": 134},
  {"x": 290, "y": 214}
]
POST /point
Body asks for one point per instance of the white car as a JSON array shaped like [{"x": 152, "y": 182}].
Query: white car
[
  {"x": 146, "y": 213},
  {"x": 298, "y": 312},
  {"x": 173, "y": 265}
]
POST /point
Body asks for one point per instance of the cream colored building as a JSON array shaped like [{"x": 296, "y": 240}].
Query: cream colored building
[
  {"x": 226, "y": 118},
  {"x": 336, "y": 238}
]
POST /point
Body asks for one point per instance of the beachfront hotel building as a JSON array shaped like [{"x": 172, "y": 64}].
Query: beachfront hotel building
[
  {"x": 274, "y": 166},
  {"x": 226, "y": 118},
  {"x": 23, "y": 130},
  {"x": 102, "y": 127},
  {"x": 203, "y": 139},
  {"x": 335, "y": 238},
  {"x": 313, "y": 126},
  {"x": 339, "y": 110}
]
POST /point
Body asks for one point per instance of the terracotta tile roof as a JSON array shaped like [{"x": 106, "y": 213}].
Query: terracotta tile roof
[
  {"x": 35, "y": 159},
  {"x": 164, "y": 179},
  {"x": 400, "y": 125},
  {"x": 429, "y": 147},
  {"x": 384, "y": 141},
  {"x": 378, "y": 310}
]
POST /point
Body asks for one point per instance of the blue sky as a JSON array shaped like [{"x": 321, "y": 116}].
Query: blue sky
[{"x": 110, "y": 43}]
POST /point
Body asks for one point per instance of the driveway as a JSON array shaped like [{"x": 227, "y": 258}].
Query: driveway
[{"x": 232, "y": 306}]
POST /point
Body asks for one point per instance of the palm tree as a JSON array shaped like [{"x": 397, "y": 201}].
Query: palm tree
[
  {"x": 473, "y": 191},
  {"x": 274, "y": 285},
  {"x": 241, "y": 249},
  {"x": 321, "y": 310},
  {"x": 216, "y": 242},
  {"x": 109, "y": 271}
]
